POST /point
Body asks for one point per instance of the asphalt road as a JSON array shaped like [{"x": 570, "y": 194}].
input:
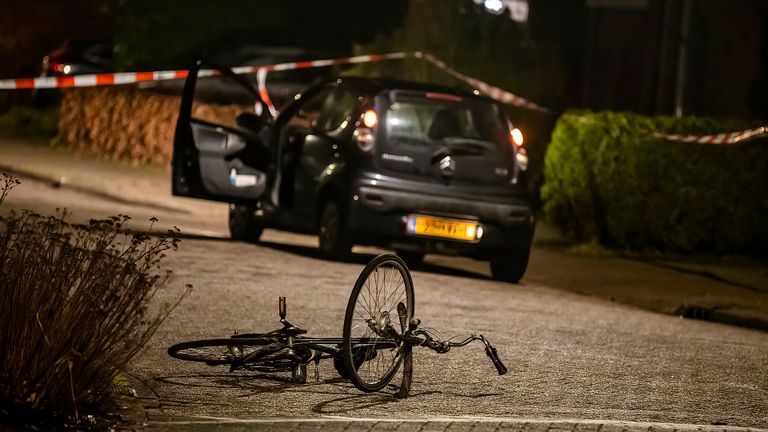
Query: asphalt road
[{"x": 569, "y": 356}]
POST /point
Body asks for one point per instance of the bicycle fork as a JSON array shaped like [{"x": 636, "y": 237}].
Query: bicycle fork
[{"x": 414, "y": 336}]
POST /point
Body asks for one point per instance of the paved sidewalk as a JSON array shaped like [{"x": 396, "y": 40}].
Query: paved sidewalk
[
  {"x": 450, "y": 424},
  {"x": 116, "y": 180},
  {"x": 153, "y": 419}
]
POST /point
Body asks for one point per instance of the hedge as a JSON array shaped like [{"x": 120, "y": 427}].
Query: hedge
[{"x": 608, "y": 179}]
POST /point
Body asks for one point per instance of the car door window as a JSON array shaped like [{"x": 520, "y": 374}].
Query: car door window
[
  {"x": 337, "y": 110},
  {"x": 306, "y": 117},
  {"x": 327, "y": 112},
  {"x": 219, "y": 99}
]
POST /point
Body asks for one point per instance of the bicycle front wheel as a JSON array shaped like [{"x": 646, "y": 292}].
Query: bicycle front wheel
[
  {"x": 381, "y": 303},
  {"x": 218, "y": 351}
]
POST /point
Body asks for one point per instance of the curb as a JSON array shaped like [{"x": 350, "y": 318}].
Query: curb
[
  {"x": 739, "y": 319},
  {"x": 475, "y": 424}
]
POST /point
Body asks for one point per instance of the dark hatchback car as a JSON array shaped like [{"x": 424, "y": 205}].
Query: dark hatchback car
[{"x": 408, "y": 166}]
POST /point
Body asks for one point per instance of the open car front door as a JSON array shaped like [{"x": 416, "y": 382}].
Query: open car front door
[{"x": 217, "y": 153}]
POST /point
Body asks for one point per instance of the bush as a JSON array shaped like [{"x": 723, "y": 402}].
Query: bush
[
  {"x": 30, "y": 121},
  {"x": 608, "y": 178},
  {"x": 73, "y": 308}
]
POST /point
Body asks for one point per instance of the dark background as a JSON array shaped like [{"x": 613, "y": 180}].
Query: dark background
[{"x": 598, "y": 54}]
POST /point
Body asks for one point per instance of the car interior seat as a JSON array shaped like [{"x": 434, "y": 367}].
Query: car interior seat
[{"x": 445, "y": 123}]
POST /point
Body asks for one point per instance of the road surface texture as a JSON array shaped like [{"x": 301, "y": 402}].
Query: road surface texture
[{"x": 576, "y": 361}]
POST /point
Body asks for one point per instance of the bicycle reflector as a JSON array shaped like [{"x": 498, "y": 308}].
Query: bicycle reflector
[{"x": 281, "y": 307}]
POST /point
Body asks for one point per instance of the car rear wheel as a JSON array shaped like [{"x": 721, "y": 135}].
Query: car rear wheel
[
  {"x": 509, "y": 266},
  {"x": 242, "y": 225},
  {"x": 335, "y": 239}
]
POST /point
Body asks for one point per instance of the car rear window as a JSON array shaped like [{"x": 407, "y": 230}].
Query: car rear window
[{"x": 431, "y": 120}]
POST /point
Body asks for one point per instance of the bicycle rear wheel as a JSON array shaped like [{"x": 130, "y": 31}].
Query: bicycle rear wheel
[
  {"x": 381, "y": 299},
  {"x": 218, "y": 351}
]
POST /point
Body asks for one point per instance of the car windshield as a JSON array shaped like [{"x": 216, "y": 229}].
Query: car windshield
[{"x": 468, "y": 126}]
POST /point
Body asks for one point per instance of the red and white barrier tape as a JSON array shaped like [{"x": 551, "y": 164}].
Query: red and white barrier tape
[
  {"x": 321, "y": 63},
  {"x": 261, "y": 72},
  {"x": 119, "y": 78},
  {"x": 723, "y": 138},
  {"x": 90, "y": 80},
  {"x": 493, "y": 92}
]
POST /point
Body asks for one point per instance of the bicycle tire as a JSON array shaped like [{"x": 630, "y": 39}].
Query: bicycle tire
[
  {"x": 217, "y": 351},
  {"x": 385, "y": 271}
]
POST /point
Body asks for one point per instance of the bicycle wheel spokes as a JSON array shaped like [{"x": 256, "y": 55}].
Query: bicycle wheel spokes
[
  {"x": 217, "y": 351},
  {"x": 373, "y": 324}
]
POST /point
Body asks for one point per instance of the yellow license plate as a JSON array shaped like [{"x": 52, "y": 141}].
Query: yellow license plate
[{"x": 444, "y": 228}]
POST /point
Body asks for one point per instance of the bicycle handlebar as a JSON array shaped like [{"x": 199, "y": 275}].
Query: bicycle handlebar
[
  {"x": 422, "y": 338},
  {"x": 491, "y": 351}
]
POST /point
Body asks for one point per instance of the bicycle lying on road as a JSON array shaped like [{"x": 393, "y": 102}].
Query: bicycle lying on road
[{"x": 379, "y": 332}]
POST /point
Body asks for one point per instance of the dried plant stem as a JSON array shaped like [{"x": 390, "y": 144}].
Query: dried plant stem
[
  {"x": 73, "y": 300},
  {"x": 72, "y": 388}
]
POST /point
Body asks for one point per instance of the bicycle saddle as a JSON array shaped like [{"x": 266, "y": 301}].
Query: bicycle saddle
[{"x": 290, "y": 329}]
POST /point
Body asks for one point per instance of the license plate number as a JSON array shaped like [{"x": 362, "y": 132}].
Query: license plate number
[{"x": 443, "y": 228}]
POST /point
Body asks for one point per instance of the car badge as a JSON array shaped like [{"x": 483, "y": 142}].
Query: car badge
[
  {"x": 397, "y": 158},
  {"x": 447, "y": 166}
]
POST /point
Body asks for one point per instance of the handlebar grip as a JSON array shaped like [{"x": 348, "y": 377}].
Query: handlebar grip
[{"x": 491, "y": 351}]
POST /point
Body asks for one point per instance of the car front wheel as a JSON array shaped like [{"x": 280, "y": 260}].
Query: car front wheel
[
  {"x": 335, "y": 240},
  {"x": 509, "y": 266},
  {"x": 242, "y": 225}
]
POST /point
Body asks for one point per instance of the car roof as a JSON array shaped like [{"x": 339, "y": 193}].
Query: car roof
[{"x": 373, "y": 86}]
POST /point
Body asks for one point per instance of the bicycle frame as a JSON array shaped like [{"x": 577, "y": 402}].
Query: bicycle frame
[
  {"x": 290, "y": 345},
  {"x": 288, "y": 349}
]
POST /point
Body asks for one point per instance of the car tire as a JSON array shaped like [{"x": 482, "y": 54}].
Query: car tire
[
  {"x": 509, "y": 266},
  {"x": 411, "y": 258},
  {"x": 242, "y": 225},
  {"x": 335, "y": 239}
]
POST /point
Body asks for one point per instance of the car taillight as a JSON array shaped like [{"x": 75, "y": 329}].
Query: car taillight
[
  {"x": 521, "y": 159},
  {"x": 516, "y": 136},
  {"x": 63, "y": 68},
  {"x": 444, "y": 97},
  {"x": 364, "y": 134},
  {"x": 364, "y": 139},
  {"x": 370, "y": 119}
]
